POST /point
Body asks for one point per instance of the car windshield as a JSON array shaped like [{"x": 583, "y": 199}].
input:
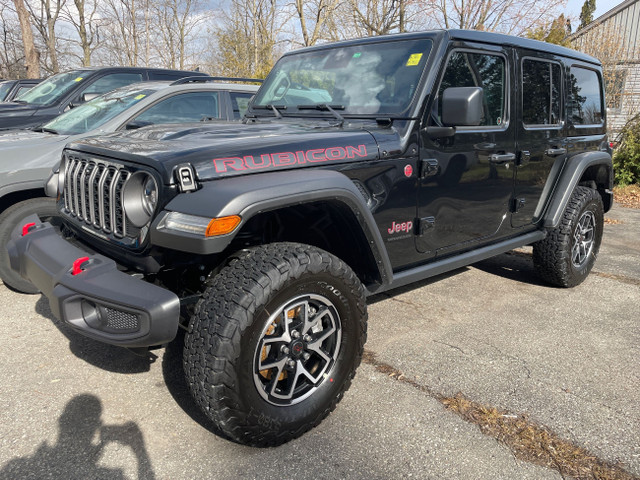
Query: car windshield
[
  {"x": 373, "y": 78},
  {"x": 53, "y": 88},
  {"x": 97, "y": 112},
  {"x": 4, "y": 89}
]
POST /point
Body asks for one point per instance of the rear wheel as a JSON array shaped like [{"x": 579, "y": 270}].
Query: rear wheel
[
  {"x": 275, "y": 341},
  {"x": 46, "y": 210},
  {"x": 567, "y": 255}
]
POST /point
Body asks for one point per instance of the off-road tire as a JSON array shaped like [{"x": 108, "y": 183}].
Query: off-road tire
[
  {"x": 552, "y": 257},
  {"x": 45, "y": 208},
  {"x": 224, "y": 335}
]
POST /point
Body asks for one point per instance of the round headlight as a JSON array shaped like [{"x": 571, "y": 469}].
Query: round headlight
[{"x": 140, "y": 198}]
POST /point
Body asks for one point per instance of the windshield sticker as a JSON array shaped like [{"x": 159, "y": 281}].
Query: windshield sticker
[
  {"x": 139, "y": 97},
  {"x": 79, "y": 79},
  {"x": 357, "y": 55},
  {"x": 414, "y": 59}
]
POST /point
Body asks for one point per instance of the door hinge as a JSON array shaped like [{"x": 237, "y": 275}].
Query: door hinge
[
  {"x": 425, "y": 224},
  {"x": 429, "y": 167},
  {"x": 517, "y": 204}
]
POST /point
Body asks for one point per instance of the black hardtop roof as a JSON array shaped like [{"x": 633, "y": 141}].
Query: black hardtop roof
[{"x": 468, "y": 35}]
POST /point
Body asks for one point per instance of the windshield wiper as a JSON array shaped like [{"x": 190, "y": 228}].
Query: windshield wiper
[
  {"x": 22, "y": 102},
  {"x": 46, "y": 130},
  {"x": 325, "y": 108},
  {"x": 275, "y": 108}
]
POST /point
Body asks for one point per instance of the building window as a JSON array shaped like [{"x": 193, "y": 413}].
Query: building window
[
  {"x": 614, "y": 88},
  {"x": 541, "y": 92}
]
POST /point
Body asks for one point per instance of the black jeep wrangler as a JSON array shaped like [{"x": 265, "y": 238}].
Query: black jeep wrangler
[{"x": 360, "y": 166}]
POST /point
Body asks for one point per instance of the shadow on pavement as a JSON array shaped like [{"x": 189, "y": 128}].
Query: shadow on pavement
[
  {"x": 75, "y": 455},
  {"x": 513, "y": 265},
  {"x": 101, "y": 355},
  {"x": 177, "y": 385}
]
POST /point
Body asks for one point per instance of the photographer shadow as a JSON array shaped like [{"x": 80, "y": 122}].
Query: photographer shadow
[
  {"x": 75, "y": 455},
  {"x": 102, "y": 355}
]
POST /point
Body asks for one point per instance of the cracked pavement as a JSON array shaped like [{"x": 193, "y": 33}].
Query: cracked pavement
[{"x": 569, "y": 359}]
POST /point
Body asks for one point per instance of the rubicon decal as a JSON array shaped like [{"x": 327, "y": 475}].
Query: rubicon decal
[{"x": 288, "y": 159}]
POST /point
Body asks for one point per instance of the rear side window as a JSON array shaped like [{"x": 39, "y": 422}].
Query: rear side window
[
  {"x": 585, "y": 102},
  {"x": 541, "y": 92},
  {"x": 186, "y": 107},
  {"x": 240, "y": 103},
  {"x": 466, "y": 69},
  {"x": 111, "y": 82}
]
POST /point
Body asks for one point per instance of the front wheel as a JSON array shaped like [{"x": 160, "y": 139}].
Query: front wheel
[
  {"x": 46, "y": 210},
  {"x": 567, "y": 255},
  {"x": 275, "y": 341}
]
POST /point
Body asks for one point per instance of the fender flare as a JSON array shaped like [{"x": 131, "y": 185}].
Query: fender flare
[
  {"x": 251, "y": 195},
  {"x": 570, "y": 176}
]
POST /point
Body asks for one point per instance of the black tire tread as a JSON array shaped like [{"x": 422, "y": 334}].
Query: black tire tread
[
  {"x": 8, "y": 220},
  {"x": 552, "y": 255},
  {"x": 226, "y": 309}
]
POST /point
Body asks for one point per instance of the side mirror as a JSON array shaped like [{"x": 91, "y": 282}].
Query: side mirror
[
  {"x": 462, "y": 106},
  {"x": 87, "y": 97},
  {"x": 134, "y": 125}
]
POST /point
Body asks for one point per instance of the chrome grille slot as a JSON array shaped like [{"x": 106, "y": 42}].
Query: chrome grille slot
[{"x": 93, "y": 195}]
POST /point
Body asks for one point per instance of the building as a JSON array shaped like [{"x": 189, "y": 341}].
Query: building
[{"x": 614, "y": 38}]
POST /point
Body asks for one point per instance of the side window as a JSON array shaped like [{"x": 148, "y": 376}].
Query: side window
[
  {"x": 22, "y": 89},
  {"x": 185, "y": 107},
  {"x": 541, "y": 92},
  {"x": 465, "y": 69},
  {"x": 240, "y": 103},
  {"x": 585, "y": 102},
  {"x": 111, "y": 82}
]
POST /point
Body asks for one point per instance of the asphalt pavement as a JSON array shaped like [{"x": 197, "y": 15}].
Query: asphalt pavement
[{"x": 566, "y": 360}]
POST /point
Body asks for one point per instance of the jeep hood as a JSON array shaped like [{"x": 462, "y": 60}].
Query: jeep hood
[{"x": 221, "y": 149}]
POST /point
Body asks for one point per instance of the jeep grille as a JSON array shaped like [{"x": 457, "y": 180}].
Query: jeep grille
[{"x": 93, "y": 195}]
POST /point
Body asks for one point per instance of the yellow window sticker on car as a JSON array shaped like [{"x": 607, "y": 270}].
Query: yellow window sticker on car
[
  {"x": 139, "y": 97},
  {"x": 79, "y": 79},
  {"x": 414, "y": 59}
]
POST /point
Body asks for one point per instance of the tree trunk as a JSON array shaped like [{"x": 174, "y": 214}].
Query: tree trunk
[{"x": 32, "y": 56}]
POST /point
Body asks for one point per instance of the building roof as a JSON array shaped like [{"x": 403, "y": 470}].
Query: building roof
[{"x": 602, "y": 18}]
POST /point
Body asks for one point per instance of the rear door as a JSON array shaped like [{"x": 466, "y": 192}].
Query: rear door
[
  {"x": 541, "y": 132},
  {"x": 467, "y": 179}
]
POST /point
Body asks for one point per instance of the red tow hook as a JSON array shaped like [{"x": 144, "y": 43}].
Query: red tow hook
[
  {"x": 77, "y": 264},
  {"x": 26, "y": 227}
]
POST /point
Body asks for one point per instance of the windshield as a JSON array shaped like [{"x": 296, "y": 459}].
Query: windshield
[
  {"x": 53, "y": 88},
  {"x": 97, "y": 112},
  {"x": 361, "y": 79},
  {"x": 4, "y": 89}
]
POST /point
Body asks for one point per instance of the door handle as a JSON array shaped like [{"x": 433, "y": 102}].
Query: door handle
[
  {"x": 554, "y": 152},
  {"x": 502, "y": 157}
]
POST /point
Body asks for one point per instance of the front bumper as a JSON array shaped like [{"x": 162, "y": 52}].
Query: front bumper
[{"x": 99, "y": 301}]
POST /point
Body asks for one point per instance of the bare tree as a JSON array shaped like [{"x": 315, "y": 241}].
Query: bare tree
[
  {"x": 11, "y": 50},
  {"x": 31, "y": 54},
  {"x": 514, "y": 17},
  {"x": 85, "y": 23},
  {"x": 178, "y": 22},
  {"x": 312, "y": 16},
  {"x": 379, "y": 17},
  {"x": 123, "y": 29},
  {"x": 45, "y": 16}
]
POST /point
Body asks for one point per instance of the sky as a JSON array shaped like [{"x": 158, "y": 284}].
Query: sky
[{"x": 602, "y": 6}]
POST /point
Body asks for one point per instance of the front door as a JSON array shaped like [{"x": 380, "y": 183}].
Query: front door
[{"x": 467, "y": 178}]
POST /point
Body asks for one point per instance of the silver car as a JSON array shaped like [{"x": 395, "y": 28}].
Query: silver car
[{"x": 27, "y": 156}]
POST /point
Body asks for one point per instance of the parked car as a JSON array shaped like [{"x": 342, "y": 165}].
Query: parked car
[
  {"x": 67, "y": 90},
  {"x": 27, "y": 156},
  {"x": 262, "y": 240},
  {"x": 12, "y": 89}
]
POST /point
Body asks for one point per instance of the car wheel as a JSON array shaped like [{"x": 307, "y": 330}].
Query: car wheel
[
  {"x": 46, "y": 210},
  {"x": 275, "y": 342},
  {"x": 567, "y": 255}
]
